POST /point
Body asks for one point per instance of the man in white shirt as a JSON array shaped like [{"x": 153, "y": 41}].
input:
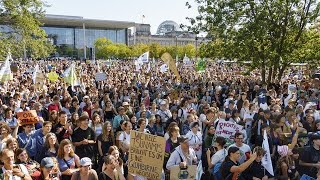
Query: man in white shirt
[
  {"x": 245, "y": 150},
  {"x": 10, "y": 170}
]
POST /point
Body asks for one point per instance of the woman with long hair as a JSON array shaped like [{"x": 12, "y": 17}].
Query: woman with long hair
[
  {"x": 74, "y": 119},
  {"x": 109, "y": 111},
  {"x": 172, "y": 142},
  {"x": 12, "y": 144},
  {"x": 219, "y": 154},
  {"x": 104, "y": 141},
  {"x": 67, "y": 159},
  {"x": 32, "y": 166},
  {"x": 50, "y": 147},
  {"x": 53, "y": 117},
  {"x": 96, "y": 124},
  {"x": 111, "y": 170},
  {"x": 114, "y": 151},
  {"x": 124, "y": 137},
  {"x": 5, "y": 135},
  {"x": 287, "y": 164}
]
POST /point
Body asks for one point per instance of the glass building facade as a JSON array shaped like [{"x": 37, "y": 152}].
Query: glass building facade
[{"x": 74, "y": 37}]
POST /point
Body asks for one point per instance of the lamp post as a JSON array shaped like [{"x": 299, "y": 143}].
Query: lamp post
[
  {"x": 196, "y": 47},
  {"x": 176, "y": 38}
]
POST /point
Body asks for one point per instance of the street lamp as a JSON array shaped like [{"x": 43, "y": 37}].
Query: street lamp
[{"x": 196, "y": 47}]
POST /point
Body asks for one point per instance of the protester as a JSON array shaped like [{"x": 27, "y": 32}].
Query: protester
[{"x": 197, "y": 106}]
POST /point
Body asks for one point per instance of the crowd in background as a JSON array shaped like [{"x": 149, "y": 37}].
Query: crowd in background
[{"x": 83, "y": 132}]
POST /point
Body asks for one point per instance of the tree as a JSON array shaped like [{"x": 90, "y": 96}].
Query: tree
[
  {"x": 269, "y": 33},
  {"x": 101, "y": 47},
  {"x": 22, "y": 30}
]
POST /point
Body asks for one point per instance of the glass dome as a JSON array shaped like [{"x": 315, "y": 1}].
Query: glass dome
[{"x": 167, "y": 26}]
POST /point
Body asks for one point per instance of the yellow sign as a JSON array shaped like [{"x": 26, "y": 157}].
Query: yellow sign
[
  {"x": 53, "y": 76},
  {"x": 146, "y": 155}
]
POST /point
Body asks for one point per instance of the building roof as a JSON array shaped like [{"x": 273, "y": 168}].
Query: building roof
[{"x": 77, "y": 21}]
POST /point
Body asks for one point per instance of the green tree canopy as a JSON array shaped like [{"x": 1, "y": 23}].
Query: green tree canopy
[
  {"x": 22, "y": 28},
  {"x": 270, "y": 33}
]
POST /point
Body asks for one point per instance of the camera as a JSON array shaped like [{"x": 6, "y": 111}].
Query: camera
[{"x": 53, "y": 175}]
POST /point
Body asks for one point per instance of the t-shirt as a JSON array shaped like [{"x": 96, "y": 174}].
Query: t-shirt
[
  {"x": 243, "y": 150},
  {"x": 23, "y": 168},
  {"x": 219, "y": 156},
  {"x": 92, "y": 175},
  {"x": 105, "y": 145},
  {"x": 84, "y": 150},
  {"x": 124, "y": 137},
  {"x": 310, "y": 155},
  {"x": 225, "y": 169},
  {"x": 63, "y": 166}
]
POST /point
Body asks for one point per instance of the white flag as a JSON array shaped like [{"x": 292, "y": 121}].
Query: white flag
[
  {"x": 5, "y": 71},
  {"x": 34, "y": 75},
  {"x": 144, "y": 58},
  {"x": 148, "y": 67},
  {"x": 266, "y": 160},
  {"x": 163, "y": 68}
]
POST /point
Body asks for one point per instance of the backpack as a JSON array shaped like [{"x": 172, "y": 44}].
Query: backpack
[{"x": 216, "y": 171}]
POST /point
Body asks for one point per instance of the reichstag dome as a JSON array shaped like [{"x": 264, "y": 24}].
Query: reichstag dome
[{"x": 167, "y": 27}]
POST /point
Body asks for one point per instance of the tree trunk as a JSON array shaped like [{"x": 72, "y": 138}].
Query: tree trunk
[
  {"x": 270, "y": 75},
  {"x": 281, "y": 71},
  {"x": 263, "y": 71}
]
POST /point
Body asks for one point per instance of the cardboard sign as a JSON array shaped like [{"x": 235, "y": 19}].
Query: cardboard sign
[
  {"x": 101, "y": 76},
  {"x": 146, "y": 155},
  {"x": 27, "y": 117},
  {"x": 189, "y": 174},
  {"x": 227, "y": 129}
]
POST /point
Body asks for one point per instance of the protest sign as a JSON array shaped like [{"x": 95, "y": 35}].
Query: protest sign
[
  {"x": 187, "y": 174},
  {"x": 53, "y": 76},
  {"x": 146, "y": 155},
  {"x": 101, "y": 76},
  {"x": 27, "y": 117},
  {"x": 227, "y": 129}
]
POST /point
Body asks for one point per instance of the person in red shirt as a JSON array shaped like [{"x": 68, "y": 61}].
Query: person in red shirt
[{"x": 55, "y": 105}]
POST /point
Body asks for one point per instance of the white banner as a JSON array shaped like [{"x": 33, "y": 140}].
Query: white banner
[
  {"x": 144, "y": 57},
  {"x": 101, "y": 76},
  {"x": 227, "y": 129}
]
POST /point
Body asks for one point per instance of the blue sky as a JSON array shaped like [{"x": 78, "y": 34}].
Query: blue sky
[{"x": 155, "y": 11}]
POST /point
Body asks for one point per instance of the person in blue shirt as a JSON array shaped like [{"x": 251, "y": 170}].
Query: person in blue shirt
[
  {"x": 39, "y": 136},
  {"x": 27, "y": 141},
  {"x": 10, "y": 119},
  {"x": 118, "y": 118}
]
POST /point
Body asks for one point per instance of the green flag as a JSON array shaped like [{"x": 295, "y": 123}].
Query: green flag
[{"x": 201, "y": 66}]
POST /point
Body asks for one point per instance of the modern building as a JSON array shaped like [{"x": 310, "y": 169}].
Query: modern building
[
  {"x": 168, "y": 33},
  {"x": 79, "y": 33}
]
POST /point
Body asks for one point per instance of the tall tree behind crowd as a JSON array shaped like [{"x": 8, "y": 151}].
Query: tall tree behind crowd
[
  {"x": 20, "y": 29},
  {"x": 270, "y": 33}
]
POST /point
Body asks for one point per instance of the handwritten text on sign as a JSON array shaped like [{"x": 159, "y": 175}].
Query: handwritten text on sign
[
  {"x": 27, "y": 117},
  {"x": 146, "y": 155},
  {"x": 227, "y": 129}
]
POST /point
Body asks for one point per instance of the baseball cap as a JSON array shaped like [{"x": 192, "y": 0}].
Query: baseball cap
[
  {"x": 85, "y": 161},
  {"x": 125, "y": 104},
  {"x": 47, "y": 162}
]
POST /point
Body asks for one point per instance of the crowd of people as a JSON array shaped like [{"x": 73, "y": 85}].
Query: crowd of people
[{"x": 83, "y": 131}]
